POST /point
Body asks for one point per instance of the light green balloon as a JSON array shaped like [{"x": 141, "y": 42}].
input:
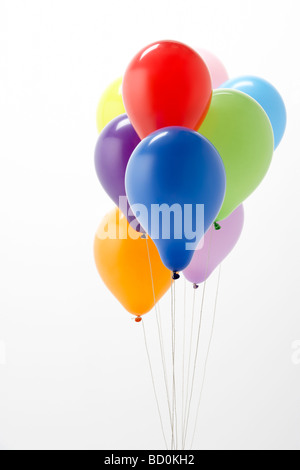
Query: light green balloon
[{"x": 241, "y": 131}]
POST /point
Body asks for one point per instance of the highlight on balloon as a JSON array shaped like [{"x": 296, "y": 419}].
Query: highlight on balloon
[{"x": 181, "y": 147}]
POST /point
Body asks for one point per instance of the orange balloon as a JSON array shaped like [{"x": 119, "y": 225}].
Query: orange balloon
[{"x": 122, "y": 261}]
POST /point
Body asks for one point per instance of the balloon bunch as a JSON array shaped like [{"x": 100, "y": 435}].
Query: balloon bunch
[
  {"x": 191, "y": 148},
  {"x": 181, "y": 146}
]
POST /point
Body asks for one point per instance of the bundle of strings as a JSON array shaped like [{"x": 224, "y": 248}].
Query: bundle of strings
[{"x": 178, "y": 433}]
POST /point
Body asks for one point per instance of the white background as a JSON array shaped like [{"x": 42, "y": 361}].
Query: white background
[{"x": 75, "y": 374}]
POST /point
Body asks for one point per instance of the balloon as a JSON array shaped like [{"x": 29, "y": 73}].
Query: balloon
[
  {"x": 175, "y": 166},
  {"x": 241, "y": 132},
  {"x": 166, "y": 84},
  {"x": 217, "y": 244},
  {"x": 217, "y": 70},
  {"x": 114, "y": 147},
  {"x": 121, "y": 257},
  {"x": 267, "y": 96},
  {"x": 110, "y": 104}
]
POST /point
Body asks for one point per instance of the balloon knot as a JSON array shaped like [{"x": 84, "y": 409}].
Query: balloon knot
[
  {"x": 217, "y": 226},
  {"x": 175, "y": 275},
  {"x": 143, "y": 236},
  {"x": 195, "y": 286},
  {"x": 138, "y": 319}
]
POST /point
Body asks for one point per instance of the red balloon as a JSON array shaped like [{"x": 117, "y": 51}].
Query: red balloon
[{"x": 166, "y": 84}]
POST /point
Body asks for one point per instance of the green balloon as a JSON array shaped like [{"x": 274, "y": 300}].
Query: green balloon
[{"x": 242, "y": 133}]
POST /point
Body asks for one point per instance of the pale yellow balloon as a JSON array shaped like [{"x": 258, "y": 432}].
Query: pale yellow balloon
[{"x": 110, "y": 104}]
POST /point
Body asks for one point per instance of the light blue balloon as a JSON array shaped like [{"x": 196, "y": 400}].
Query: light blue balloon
[{"x": 267, "y": 96}]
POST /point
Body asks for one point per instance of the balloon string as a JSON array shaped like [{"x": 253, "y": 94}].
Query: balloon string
[
  {"x": 183, "y": 360},
  {"x": 207, "y": 356},
  {"x": 153, "y": 384},
  {"x": 194, "y": 369},
  {"x": 172, "y": 338},
  {"x": 198, "y": 338},
  {"x": 189, "y": 367},
  {"x": 159, "y": 325},
  {"x": 160, "y": 335},
  {"x": 174, "y": 364},
  {"x": 174, "y": 410}
]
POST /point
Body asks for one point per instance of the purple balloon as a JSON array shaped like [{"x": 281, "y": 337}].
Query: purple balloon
[
  {"x": 114, "y": 147},
  {"x": 217, "y": 245}
]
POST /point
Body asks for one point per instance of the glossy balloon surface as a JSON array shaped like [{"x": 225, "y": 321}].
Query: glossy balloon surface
[
  {"x": 216, "y": 68},
  {"x": 113, "y": 150},
  {"x": 123, "y": 264},
  {"x": 166, "y": 84},
  {"x": 175, "y": 166},
  {"x": 216, "y": 245},
  {"x": 241, "y": 131},
  {"x": 267, "y": 96},
  {"x": 110, "y": 104}
]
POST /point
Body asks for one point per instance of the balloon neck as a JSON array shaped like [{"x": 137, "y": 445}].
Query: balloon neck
[
  {"x": 175, "y": 275},
  {"x": 138, "y": 319},
  {"x": 195, "y": 286},
  {"x": 217, "y": 226}
]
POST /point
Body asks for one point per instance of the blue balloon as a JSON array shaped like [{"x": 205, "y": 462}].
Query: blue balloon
[
  {"x": 267, "y": 96},
  {"x": 172, "y": 176}
]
